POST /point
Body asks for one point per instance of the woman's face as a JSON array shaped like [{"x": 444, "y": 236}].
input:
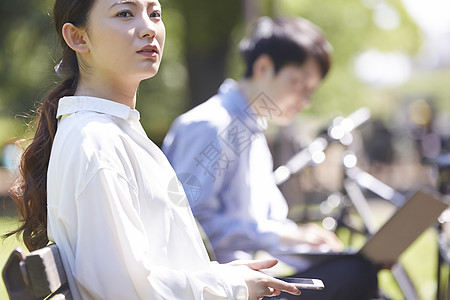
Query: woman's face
[{"x": 125, "y": 39}]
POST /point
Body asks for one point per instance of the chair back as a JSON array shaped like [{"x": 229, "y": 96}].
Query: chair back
[{"x": 37, "y": 275}]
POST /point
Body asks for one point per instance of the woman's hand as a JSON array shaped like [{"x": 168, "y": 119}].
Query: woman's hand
[{"x": 259, "y": 284}]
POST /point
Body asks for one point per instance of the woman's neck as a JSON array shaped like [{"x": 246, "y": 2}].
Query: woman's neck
[{"x": 121, "y": 93}]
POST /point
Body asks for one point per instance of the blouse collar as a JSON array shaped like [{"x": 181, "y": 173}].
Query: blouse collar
[{"x": 72, "y": 104}]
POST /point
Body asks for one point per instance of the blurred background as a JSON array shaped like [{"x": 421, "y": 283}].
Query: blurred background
[{"x": 390, "y": 56}]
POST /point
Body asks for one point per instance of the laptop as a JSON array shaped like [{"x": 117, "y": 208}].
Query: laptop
[{"x": 416, "y": 215}]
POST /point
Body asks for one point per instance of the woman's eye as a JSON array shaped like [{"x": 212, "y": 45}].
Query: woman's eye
[
  {"x": 124, "y": 14},
  {"x": 155, "y": 14}
]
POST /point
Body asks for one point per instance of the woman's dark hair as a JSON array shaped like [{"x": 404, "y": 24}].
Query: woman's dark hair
[
  {"x": 30, "y": 191},
  {"x": 286, "y": 41}
]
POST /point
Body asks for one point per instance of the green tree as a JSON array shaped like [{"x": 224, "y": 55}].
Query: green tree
[
  {"x": 349, "y": 26},
  {"x": 26, "y": 42},
  {"x": 201, "y": 50},
  {"x": 207, "y": 40}
]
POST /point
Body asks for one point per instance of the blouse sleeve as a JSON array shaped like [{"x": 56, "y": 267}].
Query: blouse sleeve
[{"x": 112, "y": 261}]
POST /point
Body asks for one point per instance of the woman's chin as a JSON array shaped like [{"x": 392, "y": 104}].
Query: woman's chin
[{"x": 148, "y": 75}]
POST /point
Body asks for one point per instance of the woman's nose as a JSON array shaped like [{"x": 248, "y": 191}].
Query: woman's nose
[{"x": 148, "y": 28}]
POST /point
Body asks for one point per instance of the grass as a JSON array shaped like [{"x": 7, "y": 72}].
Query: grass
[
  {"x": 420, "y": 262},
  {"x": 7, "y": 246}
]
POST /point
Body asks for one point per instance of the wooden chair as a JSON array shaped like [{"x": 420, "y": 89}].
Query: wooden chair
[{"x": 38, "y": 275}]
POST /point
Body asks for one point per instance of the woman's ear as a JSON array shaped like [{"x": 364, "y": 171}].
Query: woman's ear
[
  {"x": 74, "y": 38},
  {"x": 263, "y": 67}
]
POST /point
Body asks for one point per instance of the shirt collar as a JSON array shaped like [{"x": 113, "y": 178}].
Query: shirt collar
[
  {"x": 234, "y": 101},
  {"x": 72, "y": 104}
]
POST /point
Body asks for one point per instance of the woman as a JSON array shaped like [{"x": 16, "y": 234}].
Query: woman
[{"x": 98, "y": 187}]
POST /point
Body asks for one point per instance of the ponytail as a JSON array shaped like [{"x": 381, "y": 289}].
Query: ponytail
[{"x": 30, "y": 190}]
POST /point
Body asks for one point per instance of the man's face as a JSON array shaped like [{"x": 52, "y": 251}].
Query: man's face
[{"x": 291, "y": 90}]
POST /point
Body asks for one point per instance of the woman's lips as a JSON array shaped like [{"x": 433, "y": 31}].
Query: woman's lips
[{"x": 149, "y": 51}]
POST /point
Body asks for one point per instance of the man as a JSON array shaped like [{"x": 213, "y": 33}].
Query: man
[{"x": 220, "y": 154}]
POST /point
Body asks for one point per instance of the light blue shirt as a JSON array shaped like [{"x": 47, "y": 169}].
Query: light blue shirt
[{"x": 221, "y": 156}]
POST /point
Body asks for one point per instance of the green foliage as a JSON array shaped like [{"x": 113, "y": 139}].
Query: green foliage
[
  {"x": 208, "y": 22},
  {"x": 28, "y": 52},
  {"x": 349, "y": 26},
  {"x": 11, "y": 130},
  {"x": 26, "y": 45}
]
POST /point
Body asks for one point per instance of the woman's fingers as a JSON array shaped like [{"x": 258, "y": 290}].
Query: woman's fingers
[
  {"x": 280, "y": 285},
  {"x": 262, "y": 264},
  {"x": 260, "y": 284},
  {"x": 255, "y": 264},
  {"x": 270, "y": 291}
]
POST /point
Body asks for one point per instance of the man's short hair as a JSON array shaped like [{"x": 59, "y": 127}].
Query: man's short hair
[{"x": 286, "y": 41}]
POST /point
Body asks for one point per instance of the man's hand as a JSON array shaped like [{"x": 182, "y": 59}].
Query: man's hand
[{"x": 313, "y": 235}]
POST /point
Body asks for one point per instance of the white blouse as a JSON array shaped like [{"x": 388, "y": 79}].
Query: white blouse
[{"x": 120, "y": 216}]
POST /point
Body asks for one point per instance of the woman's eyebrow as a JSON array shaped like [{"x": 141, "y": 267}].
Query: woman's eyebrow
[
  {"x": 123, "y": 2},
  {"x": 153, "y": 3}
]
